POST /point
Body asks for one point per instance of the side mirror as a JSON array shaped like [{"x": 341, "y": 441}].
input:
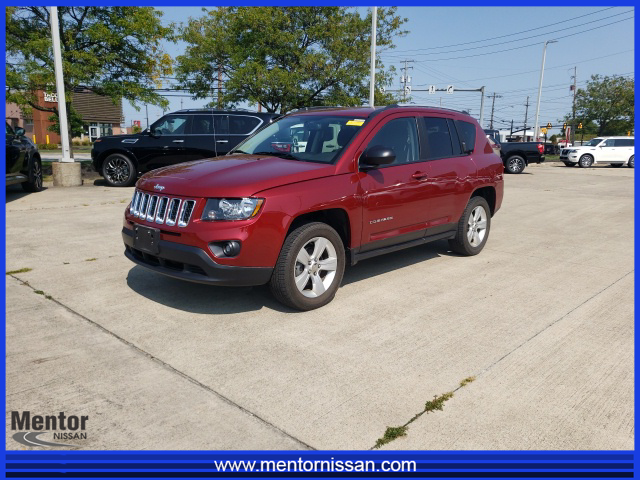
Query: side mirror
[
  {"x": 157, "y": 133},
  {"x": 19, "y": 131},
  {"x": 376, "y": 156}
]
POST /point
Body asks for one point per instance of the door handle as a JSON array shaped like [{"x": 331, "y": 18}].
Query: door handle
[
  {"x": 222, "y": 141},
  {"x": 178, "y": 141},
  {"x": 419, "y": 176}
]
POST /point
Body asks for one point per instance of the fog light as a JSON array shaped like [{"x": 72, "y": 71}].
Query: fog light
[{"x": 231, "y": 249}]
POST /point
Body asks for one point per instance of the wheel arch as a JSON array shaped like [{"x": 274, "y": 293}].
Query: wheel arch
[
  {"x": 489, "y": 194},
  {"x": 336, "y": 218},
  {"x": 102, "y": 157}
]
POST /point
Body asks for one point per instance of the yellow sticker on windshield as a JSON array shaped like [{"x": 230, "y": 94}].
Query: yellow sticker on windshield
[{"x": 357, "y": 122}]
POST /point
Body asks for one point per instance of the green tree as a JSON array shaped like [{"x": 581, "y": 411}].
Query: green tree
[
  {"x": 76, "y": 125},
  {"x": 286, "y": 57},
  {"x": 554, "y": 139},
  {"x": 606, "y": 105},
  {"x": 115, "y": 51}
]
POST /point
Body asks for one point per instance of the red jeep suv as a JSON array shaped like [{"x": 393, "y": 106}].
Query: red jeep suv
[{"x": 297, "y": 200}]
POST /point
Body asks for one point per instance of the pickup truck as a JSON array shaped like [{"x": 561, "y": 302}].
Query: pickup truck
[
  {"x": 517, "y": 155},
  {"x": 368, "y": 182}
]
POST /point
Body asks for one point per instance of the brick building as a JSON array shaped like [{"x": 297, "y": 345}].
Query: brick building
[{"x": 100, "y": 115}]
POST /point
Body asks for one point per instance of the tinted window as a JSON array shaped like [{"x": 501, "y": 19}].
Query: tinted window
[
  {"x": 467, "y": 134},
  {"x": 209, "y": 125},
  {"x": 9, "y": 129},
  {"x": 171, "y": 125},
  {"x": 438, "y": 138},
  {"x": 400, "y": 135},
  {"x": 455, "y": 141},
  {"x": 242, "y": 125},
  {"x": 624, "y": 142},
  {"x": 610, "y": 143}
]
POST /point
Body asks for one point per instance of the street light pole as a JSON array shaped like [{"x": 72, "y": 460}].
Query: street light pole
[
  {"x": 372, "y": 81},
  {"x": 544, "y": 56},
  {"x": 62, "y": 103}
]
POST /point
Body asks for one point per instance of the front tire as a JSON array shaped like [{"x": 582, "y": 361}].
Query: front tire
[
  {"x": 34, "y": 184},
  {"x": 569, "y": 164},
  {"x": 515, "y": 164},
  {"x": 473, "y": 228},
  {"x": 616, "y": 165},
  {"x": 118, "y": 170},
  {"x": 310, "y": 267},
  {"x": 630, "y": 164},
  {"x": 585, "y": 161}
]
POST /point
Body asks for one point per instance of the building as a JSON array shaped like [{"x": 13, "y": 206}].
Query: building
[{"x": 100, "y": 114}]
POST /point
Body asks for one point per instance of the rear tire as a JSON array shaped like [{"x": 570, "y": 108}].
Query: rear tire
[
  {"x": 473, "y": 228},
  {"x": 585, "y": 161},
  {"x": 34, "y": 184},
  {"x": 310, "y": 267},
  {"x": 119, "y": 171},
  {"x": 514, "y": 164},
  {"x": 630, "y": 164}
]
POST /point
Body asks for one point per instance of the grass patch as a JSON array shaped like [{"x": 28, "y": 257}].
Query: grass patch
[
  {"x": 437, "y": 403},
  {"x": 22, "y": 270},
  {"x": 39, "y": 292},
  {"x": 90, "y": 259},
  {"x": 467, "y": 381},
  {"x": 391, "y": 434}
]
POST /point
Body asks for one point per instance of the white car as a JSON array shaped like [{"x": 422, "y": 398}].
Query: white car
[{"x": 616, "y": 151}]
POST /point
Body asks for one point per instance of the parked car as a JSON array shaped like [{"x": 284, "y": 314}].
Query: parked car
[
  {"x": 24, "y": 164},
  {"x": 551, "y": 149},
  {"x": 616, "y": 151},
  {"x": 517, "y": 155},
  {"x": 370, "y": 181},
  {"x": 495, "y": 146},
  {"x": 177, "y": 137}
]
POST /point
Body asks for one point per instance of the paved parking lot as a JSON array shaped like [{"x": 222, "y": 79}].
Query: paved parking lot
[{"x": 543, "y": 318}]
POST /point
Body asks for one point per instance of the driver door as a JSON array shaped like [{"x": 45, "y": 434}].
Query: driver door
[{"x": 166, "y": 143}]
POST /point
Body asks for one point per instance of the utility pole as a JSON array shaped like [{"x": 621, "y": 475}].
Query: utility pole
[
  {"x": 181, "y": 106},
  {"x": 511, "y": 134},
  {"x": 482, "y": 108},
  {"x": 493, "y": 106},
  {"x": 405, "y": 79},
  {"x": 146, "y": 108},
  {"x": 544, "y": 56},
  {"x": 372, "y": 75},
  {"x": 219, "y": 85},
  {"x": 62, "y": 102},
  {"x": 573, "y": 114},
  {"x": 526, "y": 112}
]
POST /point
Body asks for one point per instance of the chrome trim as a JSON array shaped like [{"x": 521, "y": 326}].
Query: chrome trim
[
  {"x": 136, "y": 208},
  {"x": 144, "y": 203},
  {"x": 160, "y": 212},
  {"x": 172, "y": 221},
  {"x": 133, "y": 201},
  {"x": 153, "y": 206},
  {"x": 130, "y": 140},
  {"x": 183, "y": 217}
]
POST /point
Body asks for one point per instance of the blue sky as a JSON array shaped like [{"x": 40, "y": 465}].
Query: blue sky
[{"x": 499, "y": 48}]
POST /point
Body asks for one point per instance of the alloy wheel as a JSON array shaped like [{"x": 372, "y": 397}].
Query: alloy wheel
[
  {"x": 515, "y": 165},
  {"x": 315, "y": 267},
  {"x": 37, "y": 175},
  {"x": 117, "y": 170},
  {"x": 477, "y": 226}
]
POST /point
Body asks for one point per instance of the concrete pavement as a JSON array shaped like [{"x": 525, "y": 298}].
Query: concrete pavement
[{"x": 533, "y": 317}]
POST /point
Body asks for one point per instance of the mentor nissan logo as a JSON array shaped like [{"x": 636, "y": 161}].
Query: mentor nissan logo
[{"x": 62, "y": 427}]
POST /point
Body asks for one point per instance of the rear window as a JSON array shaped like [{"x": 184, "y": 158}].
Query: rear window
[
  {"x": 438, "y": 138},
  {"x": 242, "y": 125},
  {"x": 624, "y": 142},
  {"x": 467, "y": 134}
]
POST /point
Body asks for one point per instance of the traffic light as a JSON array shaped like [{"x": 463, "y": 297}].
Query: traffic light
[
  {"x": 564, "y": 126},
  {"x": 628, "y": 133},
  {"x": 549, "y": 125},
  {"x": 580, "y": 126}
]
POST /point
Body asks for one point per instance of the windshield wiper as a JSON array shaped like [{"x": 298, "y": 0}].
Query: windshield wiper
[{"x": 284, "y": 155}]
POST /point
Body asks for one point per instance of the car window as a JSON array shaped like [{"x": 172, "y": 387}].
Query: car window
[
  {"x": 242, "y": 124},
  {"x": 455, "y": 140},
  {"x": 209, "y": 125},
  {"x": 593, "y": 142},
  {"x": 310, "y": 138},
  {"x": 9, "y": 129},
  {"x": 467, "y": 134},
  {"x": 610, "y": 143},
  {"x": 438, "y": 138},
  {"x": 624, "y": 142},
  {"x": 171, "y": 125},
  {"x": 400, "y": 135}
]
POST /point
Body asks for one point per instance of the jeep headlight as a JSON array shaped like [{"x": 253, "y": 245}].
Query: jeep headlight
[{"x": 231, "y": 208}]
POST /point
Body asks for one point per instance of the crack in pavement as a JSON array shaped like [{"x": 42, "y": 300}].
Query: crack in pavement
[{"x": 172, "y": 369}]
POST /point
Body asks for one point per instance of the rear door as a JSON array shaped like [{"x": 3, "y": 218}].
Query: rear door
[
  {"x": 450, "y": 169},
  {"x": 394, "y": 196},
  {"x": 208, "y": 135},
  {"x": 625, "y": 147},
  {"x": 240, "y": 127}
]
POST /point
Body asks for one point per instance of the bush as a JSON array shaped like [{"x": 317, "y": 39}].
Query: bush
[
  {"x": 76, "y": 142},
  {"x": 50, "y": 146},
  {"x": 86, "y": 142}
]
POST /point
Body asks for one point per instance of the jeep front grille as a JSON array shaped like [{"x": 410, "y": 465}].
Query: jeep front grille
[{"x": 167, "y": 210}]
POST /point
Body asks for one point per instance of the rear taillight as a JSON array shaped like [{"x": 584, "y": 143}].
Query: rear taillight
[{"x": 540, "y": 148}]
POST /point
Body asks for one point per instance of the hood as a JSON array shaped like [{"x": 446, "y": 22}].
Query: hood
[{"x": 231, "y": 176}]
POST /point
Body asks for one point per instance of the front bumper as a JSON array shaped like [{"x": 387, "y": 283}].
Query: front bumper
[{"x": 190, "y": 263}]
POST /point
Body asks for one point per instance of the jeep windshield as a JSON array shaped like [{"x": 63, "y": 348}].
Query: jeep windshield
[{"x": 309, "y": 138}]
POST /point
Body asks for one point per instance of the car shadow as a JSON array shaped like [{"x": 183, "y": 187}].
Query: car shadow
[
  {"x": 209, "y": 299},
  {"x": 15, "y": 192}
]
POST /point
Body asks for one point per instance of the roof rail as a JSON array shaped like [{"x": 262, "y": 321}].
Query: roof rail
[{"x": 407, "y": 105}]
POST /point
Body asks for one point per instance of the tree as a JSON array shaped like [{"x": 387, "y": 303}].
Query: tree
[
  {"x": 606, "y": 106},
  {"x": 115, "y": 51},
  {"x": 76, "y": 125},
  {"x": 286, "y": 57},
  {"x": 554, "y": 139}
]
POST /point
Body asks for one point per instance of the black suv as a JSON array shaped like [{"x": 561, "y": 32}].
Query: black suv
[
  {"x": 23, "y": 161},
  {"x": 177, "y": 137}
]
